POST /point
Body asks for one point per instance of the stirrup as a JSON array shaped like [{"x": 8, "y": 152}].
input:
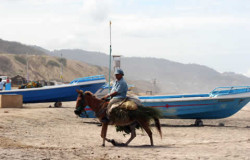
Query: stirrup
[{"x": 105, "y": 120}]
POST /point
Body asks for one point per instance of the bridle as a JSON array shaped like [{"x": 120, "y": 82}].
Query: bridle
[{"x": 80, "y": 107}]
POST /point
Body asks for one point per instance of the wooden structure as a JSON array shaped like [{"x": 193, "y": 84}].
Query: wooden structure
[
  {"x": 18, "y": 80},
  {"x": 11, "y": 101}
]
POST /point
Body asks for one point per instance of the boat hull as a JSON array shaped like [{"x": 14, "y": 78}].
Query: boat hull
[
  {"x": 215, "y": 105},
  {"x": 200, "y": 109},
  {"x": 59, "y": 93}
]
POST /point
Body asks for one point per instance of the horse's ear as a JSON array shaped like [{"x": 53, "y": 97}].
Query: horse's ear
[
  {"x": 88, "y": 93},
  {"x": 79, "y": 91}
]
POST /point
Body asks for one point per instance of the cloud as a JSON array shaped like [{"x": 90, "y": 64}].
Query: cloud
[
  {"x": 96, "y": 10},
  {"x": 187, "y": 31},
  {"x": 247, "y": 73},
  {"x": 148, "y": 27}
]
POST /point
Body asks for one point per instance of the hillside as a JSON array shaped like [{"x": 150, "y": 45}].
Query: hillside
[
  {"x": 170, "y": 77},
  {"x": 44, "y": 67},
  {"x": 148, "y": 74},
  {"x": 96, "y": 58},
  {"x": 18, "y": 48}
]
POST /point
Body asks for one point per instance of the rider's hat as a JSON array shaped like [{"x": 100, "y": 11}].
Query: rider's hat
[{"x": 119, "y": 71}]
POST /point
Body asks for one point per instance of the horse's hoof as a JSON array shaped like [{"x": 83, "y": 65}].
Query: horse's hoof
[
  {"x": 113, "y": 142},
  {"x": 103, "y": 145},
  {"x": 99, "y": 124},
  {"x": 123, "y": 144}
]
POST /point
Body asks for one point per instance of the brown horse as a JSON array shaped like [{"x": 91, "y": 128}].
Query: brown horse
[{"x": 132, "y": 119}]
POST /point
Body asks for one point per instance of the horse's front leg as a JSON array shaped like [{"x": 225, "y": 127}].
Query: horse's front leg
[
  {"x": 86, "y": 113},
  {"x": 104, "y": 132}
]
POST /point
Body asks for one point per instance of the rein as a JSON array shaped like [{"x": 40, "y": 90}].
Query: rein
[
  {"x": 101, "y": 111},
  {"x": 97, "y": 113}
]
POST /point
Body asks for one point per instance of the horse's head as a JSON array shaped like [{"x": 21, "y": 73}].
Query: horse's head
[
  {"x": 80, "y": 103},
  {"x": 83, "y": 100}
]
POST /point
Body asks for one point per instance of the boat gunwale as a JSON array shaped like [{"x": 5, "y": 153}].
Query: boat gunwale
[
  {"x": 242, "y": 95},
  {"x": 55, "y": 86}
]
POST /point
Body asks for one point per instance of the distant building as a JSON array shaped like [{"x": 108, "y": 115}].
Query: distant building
[{"x": 18, "y": 80}]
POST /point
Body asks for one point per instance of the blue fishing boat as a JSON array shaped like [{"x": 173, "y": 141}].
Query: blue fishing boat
[
  {"x": 222, "y": 102},
  {"x": 59, "y": 93}
]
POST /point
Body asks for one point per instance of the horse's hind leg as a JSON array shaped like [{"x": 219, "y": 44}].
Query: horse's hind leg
[{"x": 145, "y": 126}]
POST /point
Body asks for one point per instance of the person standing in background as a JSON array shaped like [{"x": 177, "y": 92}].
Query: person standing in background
[{"x": 2, "y": 84}]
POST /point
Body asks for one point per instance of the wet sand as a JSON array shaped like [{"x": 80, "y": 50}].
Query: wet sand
[{"x": 39, "y": 132}]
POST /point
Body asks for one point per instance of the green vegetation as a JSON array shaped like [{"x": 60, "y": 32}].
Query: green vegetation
[
  {"x": 43, "y": 59},
  {"x": 63, "y": 61},
  {"x": 53, "y": 63},
  {"x": 143, "y": 113},
  {"x": 20, "y": 59},
  {"x": 98, "y": 67}
]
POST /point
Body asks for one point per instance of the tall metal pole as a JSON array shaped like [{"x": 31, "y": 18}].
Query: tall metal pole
[
  {"x": 27, "y": 67},
  {"x": 61, "y": 76},
  {"x": 110, "y": 50}
]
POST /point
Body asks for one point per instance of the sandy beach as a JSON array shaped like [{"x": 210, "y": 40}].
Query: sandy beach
[{"x": 39, "y": 132}]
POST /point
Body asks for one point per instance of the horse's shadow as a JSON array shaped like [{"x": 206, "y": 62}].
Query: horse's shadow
[
  {"x": 96, "y": 123},
  {"x": 205, "y": 125},
  {"x": 147, "y": 146},
  {"x": 150, "y": 147},
  {"x": 42, "y": 107},
  {"x": 182, "y": 126}
]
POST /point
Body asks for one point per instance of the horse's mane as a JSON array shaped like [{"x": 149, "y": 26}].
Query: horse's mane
[{"x": 88, "y": 93}]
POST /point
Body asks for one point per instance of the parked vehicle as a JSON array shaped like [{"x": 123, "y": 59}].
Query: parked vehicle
[{"x": 5, "y": 79}]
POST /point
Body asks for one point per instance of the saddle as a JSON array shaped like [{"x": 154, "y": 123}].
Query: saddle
[{"x": 130, "y": 103}]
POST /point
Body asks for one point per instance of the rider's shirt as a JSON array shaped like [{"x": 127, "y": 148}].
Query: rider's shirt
[{"x": 121, "y": 88}]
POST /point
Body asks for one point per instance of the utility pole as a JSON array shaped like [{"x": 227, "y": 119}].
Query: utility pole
[
  {"x": 61, "y": 76},
  {"x": 110, "y": 50},
  {"x": 27, "y": 67},
  {"x": 154, "y": 86}
]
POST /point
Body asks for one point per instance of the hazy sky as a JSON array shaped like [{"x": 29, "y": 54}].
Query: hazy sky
[{"x": 215, "y": 33}]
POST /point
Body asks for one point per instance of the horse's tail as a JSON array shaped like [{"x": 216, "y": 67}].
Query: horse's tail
[
  {"x": 158, "y": 125},
  {"x": 150, "y": 113},
  {"x": 145, "y": 114}
]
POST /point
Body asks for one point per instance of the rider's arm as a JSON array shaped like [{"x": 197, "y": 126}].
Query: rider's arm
[
  {"x": 117, "y": 89},
  {"x": 113, "y": 94},
  {"x": 110, "y": 95}
]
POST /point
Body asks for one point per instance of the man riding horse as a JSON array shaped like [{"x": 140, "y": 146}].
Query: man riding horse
[
  {"x": 118, "y": 92},
  {"x": 127, "y": 114}
]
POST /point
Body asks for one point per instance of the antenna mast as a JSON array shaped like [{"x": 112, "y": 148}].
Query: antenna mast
[
  {"x": 110, "y": 50},
  {"x": 27, "y": 68},
  {"x": 61, "y": 76}
]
